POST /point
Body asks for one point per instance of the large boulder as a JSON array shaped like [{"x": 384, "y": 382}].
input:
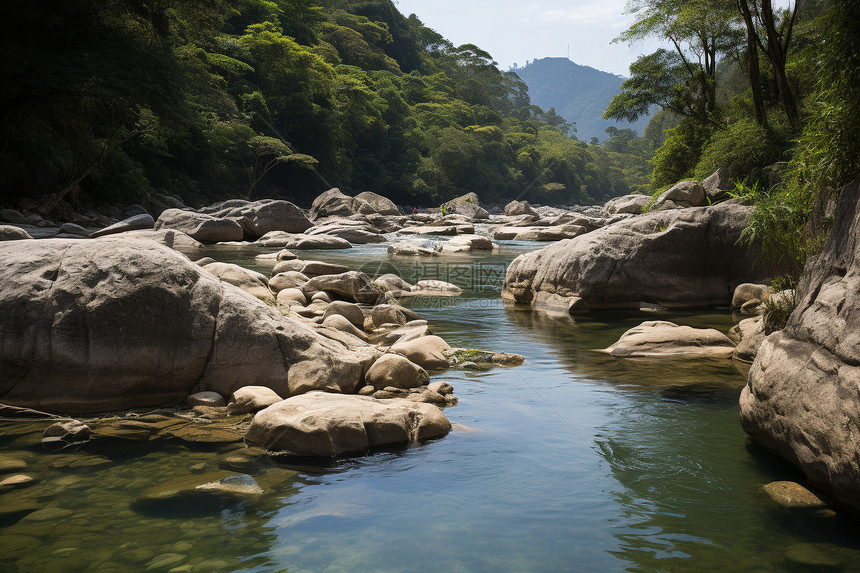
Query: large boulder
[
  {"x": 357, "y": 232},
  {"x": 716, "y": 185},
  {"x": 679, "y": 258},
  {"x": 802, "y": 398},
  {"x": 94, "y": 326},
  {"x": 200, "y": 226},
  {"x": 630, "y": 204},
  {"x": 13, "y": 233},
  {"x": 662, "y": 339},
  {"x": 352, "y": 286},
  {"x": 681, "y": 196},
  {"x": 748, "y": 334},
  {"x": 260, "y": 217},
  {"x": 300, "y": 241},
  {"x": 396, "y": 371},
  {"x": 379, "y": 204},
  {"x": 135, "y": 223},
  {"x": 333, "y": 203},
  {"x": 515, "y": 208},
  {"x": 252, "y": 282},
  {"x": 468, "y": 206},
  {"x": 426, "y": 352},
  {"x": 325, "y": 425}
]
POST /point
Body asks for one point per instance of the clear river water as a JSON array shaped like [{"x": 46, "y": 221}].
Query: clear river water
[{"x": 574, "y": 461}]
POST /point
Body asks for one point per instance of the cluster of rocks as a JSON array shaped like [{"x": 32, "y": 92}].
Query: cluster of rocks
[
  {"x": 335, "y": 221},
  {"x": 121, "y": 323}
]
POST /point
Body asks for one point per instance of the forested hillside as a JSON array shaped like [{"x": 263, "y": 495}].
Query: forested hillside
[
  {"x": 578, "y": 93},
  {"x": 769, "y": 94},
  {"x": 109, "y": 101}
]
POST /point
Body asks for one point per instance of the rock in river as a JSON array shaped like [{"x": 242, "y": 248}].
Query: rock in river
[
  {"x": 677, "y": 258},
  {"x": 661, "y": 339},
  {"x": 320, "y": 424},
  {"x": 802, "y": 398},
  {"x": 110, "y": 324}
]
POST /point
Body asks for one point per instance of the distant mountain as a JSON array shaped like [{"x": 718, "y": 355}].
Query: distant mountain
[{"x": 578, "y": 93}]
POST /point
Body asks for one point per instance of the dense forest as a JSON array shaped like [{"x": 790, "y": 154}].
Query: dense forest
[{"x": 111, "y": 100}]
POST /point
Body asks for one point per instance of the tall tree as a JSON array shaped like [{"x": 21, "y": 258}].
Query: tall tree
[{"x": 778, "y": 26}]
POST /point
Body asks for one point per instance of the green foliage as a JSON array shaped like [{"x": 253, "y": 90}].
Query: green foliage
[
  {"x": 677, "y": 157},
  {"x": 276, "y": 98},
  {"x": 779, "y": 306},
  {"x": 744, "y": 150}
]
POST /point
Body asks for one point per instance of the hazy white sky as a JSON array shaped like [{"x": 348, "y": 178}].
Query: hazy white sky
[{"x": 514, "y": 31}]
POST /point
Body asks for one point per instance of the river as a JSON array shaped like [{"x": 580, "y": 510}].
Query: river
[{"x": 574, "y": 461}]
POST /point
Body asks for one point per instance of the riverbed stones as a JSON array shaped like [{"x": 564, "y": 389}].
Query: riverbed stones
[
  {"x": 333, "y": 203},
  {"x": 112, "y": 324},
  {"x": 663, "y": 339},
  {"x": 803, "y": 391},
  {"x": 324, "y": 425},
  {"x": 292, "y": 297},
  {"x": 678, "y": 258},
  {"x": 397, "y": 371}
]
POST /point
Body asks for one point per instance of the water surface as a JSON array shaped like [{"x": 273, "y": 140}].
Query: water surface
[{"x": 575, "y": 461}]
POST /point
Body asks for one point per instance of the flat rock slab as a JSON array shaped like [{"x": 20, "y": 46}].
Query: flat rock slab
[
  {"x": 324, "y": 425},
  {"x": 661, "y": 339}
]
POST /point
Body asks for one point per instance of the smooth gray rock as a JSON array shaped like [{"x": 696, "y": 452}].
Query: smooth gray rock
[
  {"x": 397, "y": 371},
  {"x": 681, "y": 196},
  {"x": 662, "y": 339},
  {"x": 352, "y": 286},
  {"x": 381, "y": 205},
  {"x": 515, "y": 208},
  {"x": 632, "y": 204},
  {"x": 802, "y": 398},
  {"x": 679, "y": 258},
  {"x": 13, "y": 233},
  {"x": 200, "y": 226},
  {"x": 260, "y": 217},
  {"x": 112, "y": 324},
  {"x": 135, "y": 223},
  {"x": 468, "y": 206},
  {"x": 325, "y": 425}
]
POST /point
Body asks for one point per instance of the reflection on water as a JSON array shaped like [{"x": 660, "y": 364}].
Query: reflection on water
[{"x": 574, "y": 461}]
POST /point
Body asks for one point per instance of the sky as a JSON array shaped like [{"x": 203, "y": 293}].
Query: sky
[{"x": 513, "y": 31}]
